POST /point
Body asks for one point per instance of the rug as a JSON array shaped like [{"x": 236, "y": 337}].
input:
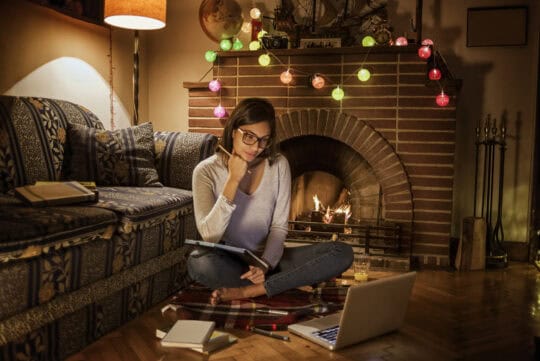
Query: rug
[{"x": 192, "y": 303}]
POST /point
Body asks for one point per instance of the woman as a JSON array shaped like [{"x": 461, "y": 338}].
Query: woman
[{"x": 242, "y": 199}]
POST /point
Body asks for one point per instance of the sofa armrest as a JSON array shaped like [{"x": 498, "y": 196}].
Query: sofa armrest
[{"x": 177, "y": 154}]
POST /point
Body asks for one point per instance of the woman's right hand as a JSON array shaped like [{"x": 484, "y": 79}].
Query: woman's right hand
[{"x": 237, "y": 168}]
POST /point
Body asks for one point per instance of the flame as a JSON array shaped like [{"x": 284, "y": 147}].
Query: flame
[
  {"x": 318, "y": 203},
  {"x": 344, "y": 208},
  {"x": 327, "y": 218}
]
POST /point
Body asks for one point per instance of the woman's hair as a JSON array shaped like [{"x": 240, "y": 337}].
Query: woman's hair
[{"x": 251, "y": 111}]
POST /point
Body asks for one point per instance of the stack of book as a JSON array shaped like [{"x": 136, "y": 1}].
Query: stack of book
[
  {"x": 43, "y": 194},
  {"x": 196, "y": 335}
]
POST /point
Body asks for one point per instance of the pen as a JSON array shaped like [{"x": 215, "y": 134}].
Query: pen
[
  {"x": 270, "y": 311},
  {"x": 229, "y": 154},
  {"x": 269, "y": 334}
]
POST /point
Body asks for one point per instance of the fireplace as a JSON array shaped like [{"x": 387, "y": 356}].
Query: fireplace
[{"x": 386, "y": 147}]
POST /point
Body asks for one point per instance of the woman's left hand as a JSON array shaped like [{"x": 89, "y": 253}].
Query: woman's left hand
[{"x": 255, "y": 275}]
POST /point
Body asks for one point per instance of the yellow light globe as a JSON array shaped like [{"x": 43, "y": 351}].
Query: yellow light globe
[
  {"x": 264, "y": 59},
  {"x": 364, "y": 74},
  {"x": 254, "y": 45},
  {"x": 338, "y": 93}
]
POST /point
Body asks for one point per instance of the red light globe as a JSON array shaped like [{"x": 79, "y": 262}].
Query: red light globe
[
  {"x": 317, "y": 81},
  {"x": 424, "y": 51},
  {"x": 442, "y": 99},
  {"x": 427, "y": 42},
  {"x": 401, "y": 41},
  {"x": 219, "y": 111},
  {"x": 434, "y": 74},
  {"x": 214, "y": 85}
]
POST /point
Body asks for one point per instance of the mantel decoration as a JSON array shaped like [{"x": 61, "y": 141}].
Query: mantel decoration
[{"x": 220, "y": 20}]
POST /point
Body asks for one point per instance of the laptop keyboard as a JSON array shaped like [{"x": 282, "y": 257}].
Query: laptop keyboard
[{"x": 328, "y": 334}]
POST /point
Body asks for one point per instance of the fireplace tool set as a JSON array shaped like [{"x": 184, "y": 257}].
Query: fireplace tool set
[{"x": 490, "y": 147}]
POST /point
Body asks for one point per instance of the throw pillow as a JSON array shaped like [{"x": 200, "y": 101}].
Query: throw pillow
[{"x": 123, "y": 157}]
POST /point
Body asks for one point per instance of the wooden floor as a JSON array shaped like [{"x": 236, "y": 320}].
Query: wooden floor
[{"x": 480, "y": 315}]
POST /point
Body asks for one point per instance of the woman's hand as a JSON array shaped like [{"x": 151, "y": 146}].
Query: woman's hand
[
  {"x": 237, "y": 167},
  {"x": 255, "y": 275}
]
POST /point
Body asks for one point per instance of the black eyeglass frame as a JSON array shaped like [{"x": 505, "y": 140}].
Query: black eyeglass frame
[{"x": 266, "y": 140}]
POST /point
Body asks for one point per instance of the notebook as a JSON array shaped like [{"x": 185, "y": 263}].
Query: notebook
[
  {"x": 188, "y": 333},
  {"x": 371, "y": 309}
]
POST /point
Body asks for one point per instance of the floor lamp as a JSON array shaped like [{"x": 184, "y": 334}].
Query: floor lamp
[{"x": 136, "y": 15}]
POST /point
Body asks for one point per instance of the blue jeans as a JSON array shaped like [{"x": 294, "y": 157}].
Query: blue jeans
[{"x": 299, "y": 266}]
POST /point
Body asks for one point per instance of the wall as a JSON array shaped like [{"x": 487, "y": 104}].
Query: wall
[
  {"x": 48, "y": 54},
  {"x": 495, "y": 80}
]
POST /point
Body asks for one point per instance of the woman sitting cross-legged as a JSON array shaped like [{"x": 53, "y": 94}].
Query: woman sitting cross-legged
[{"x": 243, "y": 200}]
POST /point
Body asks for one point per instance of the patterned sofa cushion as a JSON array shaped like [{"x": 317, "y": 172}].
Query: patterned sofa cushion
[
  {"x": 33, "y": 138},
  {"x": 31, "y": 231},
  {"x": 177, "y": 151},
  {"x": 123, "y": 157}
]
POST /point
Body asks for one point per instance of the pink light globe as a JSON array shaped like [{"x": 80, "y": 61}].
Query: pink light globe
[
  {"x": 317, "y": 81},
  {"x": 401, "y": 41},
  {"x": 286, "y": 77},
  {"x": 214, "y": 85},
  {"x": 442, "y": 99},
  {"x": 427, "y": 42},
  {"x": 424, "y": 51},
  {"x": 219, "y": 111},
  {"x": 434, "y": 74}
]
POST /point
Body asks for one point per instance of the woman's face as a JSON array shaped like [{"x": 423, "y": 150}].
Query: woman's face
[{"x": 250, "y": 140}]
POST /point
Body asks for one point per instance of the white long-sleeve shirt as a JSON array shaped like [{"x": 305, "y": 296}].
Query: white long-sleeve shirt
[{"x": 257, "y": 221}]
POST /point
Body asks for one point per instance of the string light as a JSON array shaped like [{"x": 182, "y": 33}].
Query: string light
[
  {"x": 442, "y": 99},
  {"x": 434, "y": 74},
  {"x": 286, "y": 77},
  {"x": 368, "y": 41},
  {"x": 225, "y": 44},
  {"x": 427, "y": 42},
  {"x": 363, "y": 74},
  {"x": 219, "y": 111},
  {"x": 424, "y": 51},
  {"x": 246, "y": 27},
  {"x": 210, "y": 56},
  {"x": 237, "y": 44},
  {"x": 214, "y": 85},
  {"x": 255, "y": 13},
  {"x": 254, "y": 45},
  {"x": 264, "y": 59},
  {"x": 317, "y": 81},
  {"x": 401, "y": 41},
  {"x": 338, "y": 93}
]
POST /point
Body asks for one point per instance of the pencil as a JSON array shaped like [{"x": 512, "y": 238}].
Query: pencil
[{"x": 229, "y": 154}]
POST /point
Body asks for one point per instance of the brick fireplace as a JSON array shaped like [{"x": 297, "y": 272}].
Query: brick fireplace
[{"x": 387, "y": 140}]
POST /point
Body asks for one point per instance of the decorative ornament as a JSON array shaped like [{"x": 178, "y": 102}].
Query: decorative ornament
[
  {"x": 219, "y": 111},
  {"x": 317, "y": 81},
  {"x": 210, "y": 56},
  {"x": 427, "y": 42},
  {"x": 220, "y": 19},
  {"x": 264, "y": 59},
  {"x": 424, "y": 51},
  {"x": 255, "y": 13},
  {"x": 214, "y": 85},
  {"x": 338, "y": 93},
  {"x": 368, "y": 41},
  {"x": 286, "y": 77},
  {"x": 261, "y": 33},
  {"x": 442, "y": 99},
  {"x": 401, "y": 41},
  {"x": 237, "y": 44},
  {"x": 225, "y": 44},
  {"x": 363, "y": 74},
  {"x": 434, "y": 74},
  {"x": 254, "y": 45}
]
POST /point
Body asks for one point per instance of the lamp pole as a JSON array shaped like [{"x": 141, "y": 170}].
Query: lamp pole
[{"x": 136, "y": 79}]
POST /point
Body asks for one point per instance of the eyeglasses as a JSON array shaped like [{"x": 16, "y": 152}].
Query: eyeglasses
[{"x": 249, "y": 138}]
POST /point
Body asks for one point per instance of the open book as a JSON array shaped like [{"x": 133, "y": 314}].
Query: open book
[
  {"x": 248, "y": 256},
  {"x": 55, "y": 193}
]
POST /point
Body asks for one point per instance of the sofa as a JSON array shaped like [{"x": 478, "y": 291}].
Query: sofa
[{"x": 70, "y": 274}]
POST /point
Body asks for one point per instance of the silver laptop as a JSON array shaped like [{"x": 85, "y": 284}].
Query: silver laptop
[{"x": 371, "y": 309}]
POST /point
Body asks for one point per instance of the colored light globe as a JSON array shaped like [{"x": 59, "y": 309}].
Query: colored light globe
[
  {"x": 225, "y": 44},
  {"x": 214, "y": 85},
  {"x": 424, "y": 51},
  {"x": 254, "y": 45},
  {"x": 255, "y": 13},
  {"x": 338, "y": 93},
  {"x": 442, "y": 99},
  {"x": 210, "y": 56},
  {"x": 246, "y": 27},
  {"x": 264, "y": 59},
  {"x": 317, "y": 81},
  {"x": 427, "y": 42},
  {"x": 237, "y": 44},
  {"x": 261, "y": 34},
  {"x": 219, "y": 111},
  {"x": 286, "y": 77},
  {"x": 401, "y": 41},
  {"x": 434, "y": 74},
  {"x": 363, "y": 74},
  {"x": 368, "y": 41}
]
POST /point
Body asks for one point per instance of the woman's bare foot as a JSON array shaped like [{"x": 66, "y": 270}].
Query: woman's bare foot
[{"x": 236, "y": 293}]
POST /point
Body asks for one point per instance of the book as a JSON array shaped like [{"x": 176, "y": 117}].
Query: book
[
  {"x": 217, "y": 340},
  {"x": 188, "y": 333},
  {"x": 55, "y": 193},
  {"x": 248, "y": 256}
]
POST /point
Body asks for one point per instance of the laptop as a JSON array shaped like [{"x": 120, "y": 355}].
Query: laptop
[{"x": 371, "y": 309}]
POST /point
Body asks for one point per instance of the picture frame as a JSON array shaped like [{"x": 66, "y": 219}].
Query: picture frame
[
  {"x": 85, "y": 10},
  {"x": 484, "y": 26}
]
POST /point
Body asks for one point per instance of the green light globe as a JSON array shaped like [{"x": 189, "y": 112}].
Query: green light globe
[
  {"x": 210, "y": 56},
  {"x": 254, "y": 45},
  {"x": 364, "y": 74},
  {"x": 225, "y": 44},
  {"x": 338, "y": 93},
  {"x": 264, "y": 59},
  {"x": 368, "y": 41},
  {"x": 237, "y": 45}
]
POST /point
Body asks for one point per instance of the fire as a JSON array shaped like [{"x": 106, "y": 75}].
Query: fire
[
  {"x": 341, "y": 214},
  {"x": 318, "y": 204}
]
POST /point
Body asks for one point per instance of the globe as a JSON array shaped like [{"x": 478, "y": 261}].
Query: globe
[{"x": 220, "y": 19}]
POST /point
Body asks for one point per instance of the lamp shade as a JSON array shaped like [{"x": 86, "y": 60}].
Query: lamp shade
[{"x": 136, "y": 14}]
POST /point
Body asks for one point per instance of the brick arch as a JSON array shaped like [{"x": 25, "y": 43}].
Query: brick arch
[{"x": 371, "y": 145}]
